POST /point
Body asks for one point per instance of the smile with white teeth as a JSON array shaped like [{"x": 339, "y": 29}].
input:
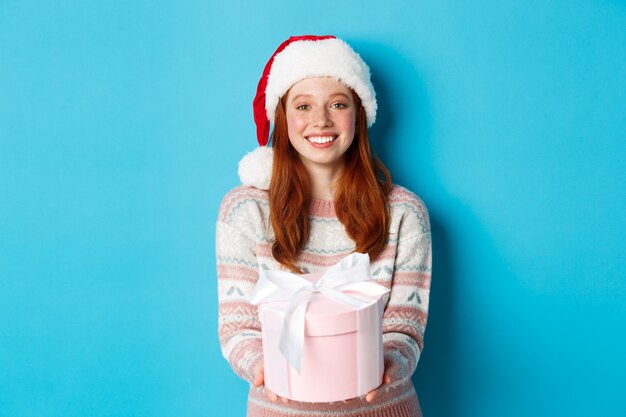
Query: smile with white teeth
[{"x": 321, "y": 139}]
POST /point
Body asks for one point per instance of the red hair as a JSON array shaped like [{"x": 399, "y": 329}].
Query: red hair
[{"x": 360, "y": 200}]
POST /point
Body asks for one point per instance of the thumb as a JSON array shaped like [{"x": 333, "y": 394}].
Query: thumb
[
  {"x": 392, "y": 369},
  {"x": 387, "y": 377},
  {"x": 259, "y": 375}
]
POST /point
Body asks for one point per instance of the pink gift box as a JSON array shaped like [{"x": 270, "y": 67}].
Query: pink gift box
[{"x": 342, "y": 356}]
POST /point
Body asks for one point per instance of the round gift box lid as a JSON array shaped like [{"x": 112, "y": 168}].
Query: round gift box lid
[{"x": 324, "y": 316}]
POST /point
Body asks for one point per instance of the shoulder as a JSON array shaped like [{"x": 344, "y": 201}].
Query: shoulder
[
  {"x": 399, "y": 194},
  {"x": 409, "y": 210},
  {"x": 243, "y": 202}
]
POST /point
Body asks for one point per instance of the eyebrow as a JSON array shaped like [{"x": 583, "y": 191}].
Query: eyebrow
[{"x": 309, "y": 95}]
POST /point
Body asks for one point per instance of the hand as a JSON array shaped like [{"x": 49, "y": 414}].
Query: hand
[
  {"x": 259, "y": 379},
  {"x": 390, "y": 375}
]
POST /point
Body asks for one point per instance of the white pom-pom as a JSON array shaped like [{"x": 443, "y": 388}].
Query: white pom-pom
[{"x": 255, "y": 169}]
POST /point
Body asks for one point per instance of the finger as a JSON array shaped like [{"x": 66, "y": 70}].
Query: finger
[
  {"x": 259, "y": 375},
  {"x": 258, "y": 379},
  {"x": 390, "y": 372},
  {"x": 387, "y": 378},
  {"x": 371, "y": 396},
  {"x": 273, "y": 397}
]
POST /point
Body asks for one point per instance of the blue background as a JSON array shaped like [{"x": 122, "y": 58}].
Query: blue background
[{"x": 121, "y": 125}]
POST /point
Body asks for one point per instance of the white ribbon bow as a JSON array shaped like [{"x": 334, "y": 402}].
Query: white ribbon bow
[{"x": 349, "y": 274}]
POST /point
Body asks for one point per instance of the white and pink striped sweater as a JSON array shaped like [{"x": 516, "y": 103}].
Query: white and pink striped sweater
[{"x": 244, "y": 242}]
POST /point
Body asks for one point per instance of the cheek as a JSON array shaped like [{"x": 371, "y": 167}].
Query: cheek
[
  {"x": 295, "y": 123},
  {"x": 349, "y": 123}
]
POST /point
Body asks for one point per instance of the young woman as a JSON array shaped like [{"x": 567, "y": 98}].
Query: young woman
[{"x": 316, "y": 196}]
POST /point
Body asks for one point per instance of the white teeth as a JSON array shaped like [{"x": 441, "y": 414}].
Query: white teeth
[{"x": 321, "y": 139}]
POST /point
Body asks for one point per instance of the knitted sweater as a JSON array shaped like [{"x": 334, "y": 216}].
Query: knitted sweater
[{"x": 244, "y": 242}]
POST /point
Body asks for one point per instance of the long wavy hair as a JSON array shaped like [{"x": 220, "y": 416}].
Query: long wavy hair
[{"x": 360, "y": 199}]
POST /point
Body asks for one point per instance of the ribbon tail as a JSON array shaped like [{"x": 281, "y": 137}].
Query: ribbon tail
[{"x": 291, "y": 341}]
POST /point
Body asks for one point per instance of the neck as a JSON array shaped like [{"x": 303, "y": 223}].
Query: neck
[{"x": 322, "y": 180}]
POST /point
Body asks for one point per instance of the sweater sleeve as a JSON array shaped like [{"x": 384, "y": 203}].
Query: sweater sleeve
[
  {"x": 237, "y": 272},
  {"x": 405, "y": 315}
]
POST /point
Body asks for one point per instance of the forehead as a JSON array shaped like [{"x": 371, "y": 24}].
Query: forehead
[{"x": 318, "y": 86}]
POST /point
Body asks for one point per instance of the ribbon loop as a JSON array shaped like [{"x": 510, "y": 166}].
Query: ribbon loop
[{"x": 351, "y": 273}]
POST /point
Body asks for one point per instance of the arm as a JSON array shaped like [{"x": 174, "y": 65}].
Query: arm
[
  {"x": 406, "y": 312},
  {"x": 239, "y": 327}
]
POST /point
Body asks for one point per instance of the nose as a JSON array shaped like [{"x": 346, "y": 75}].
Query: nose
[{"x": 321, "y": 117}]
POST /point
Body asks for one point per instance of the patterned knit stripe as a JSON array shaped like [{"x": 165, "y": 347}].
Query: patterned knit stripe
[
  {"x": 398, "y": 194},
  {"x": 241, "y": 272},
  {"x": 323, "y": 210},
  {"x": 239, "y": 331},
  {"x": 406, "y": 344},
  {"x": 237, "y": 317},
  {"x": 418, "y": 212},
  {"x": 231, "y": 199},
  {"x": 403, "y": 320},
  {"x": 398, "y": 402},
  {"x": 235, "y": 198},
  {"x": 406, "y": 320},
  {"x": 420, "y": 279},
  {"x": 235, "y": 290},
  {"x": 325, "y": 260},
  {"x": 233, "y": 324},
  {"x": 230, "y": 339},
  {"x": 414, "y": 268},
  {"x": 238, "y": 328},
  {"x": 409, "y": 297},
  {"x": 250, "y": 199},
  {"x": 401, "y": 194},
  {"x": 403, "y": 350},
  {"x": 243, "y": 204},
  {"x": 398, "y": 339},
  {"x": 236, "y": 281},
  {"x": 232, "y": 260},
  {"x": 398, "y": 197},
  {"x": 401, "y": 197},
  {"x": 244, "y": 357},
  {"x": 244, "y": 197},
  {"x": 401, "y": 342},
  {"x": 329, "y": 257},
  {"x": 321, "y": 219}
]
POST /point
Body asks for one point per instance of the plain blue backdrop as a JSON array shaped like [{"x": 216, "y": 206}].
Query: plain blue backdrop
[{"x": 121, "y": 125}]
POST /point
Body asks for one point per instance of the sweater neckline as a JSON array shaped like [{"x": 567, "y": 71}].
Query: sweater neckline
[{"x": 322, "y": 208}]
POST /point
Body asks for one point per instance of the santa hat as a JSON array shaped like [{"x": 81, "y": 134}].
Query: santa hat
[{"x": 297, "y": 58}]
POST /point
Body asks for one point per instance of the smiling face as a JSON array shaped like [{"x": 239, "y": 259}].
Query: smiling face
[{"x": 320, "y": 121}]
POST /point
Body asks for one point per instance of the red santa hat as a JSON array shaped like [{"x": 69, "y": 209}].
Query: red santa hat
[{"x": 297, "y": 58}]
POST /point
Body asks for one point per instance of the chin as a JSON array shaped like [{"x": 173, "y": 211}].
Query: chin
[{"x": 324, "y": 162}]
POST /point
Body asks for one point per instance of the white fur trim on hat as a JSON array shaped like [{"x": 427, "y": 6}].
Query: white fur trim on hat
[
  {"x": 322, "y": 58},
  {"x": 255, "y": 169}
]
